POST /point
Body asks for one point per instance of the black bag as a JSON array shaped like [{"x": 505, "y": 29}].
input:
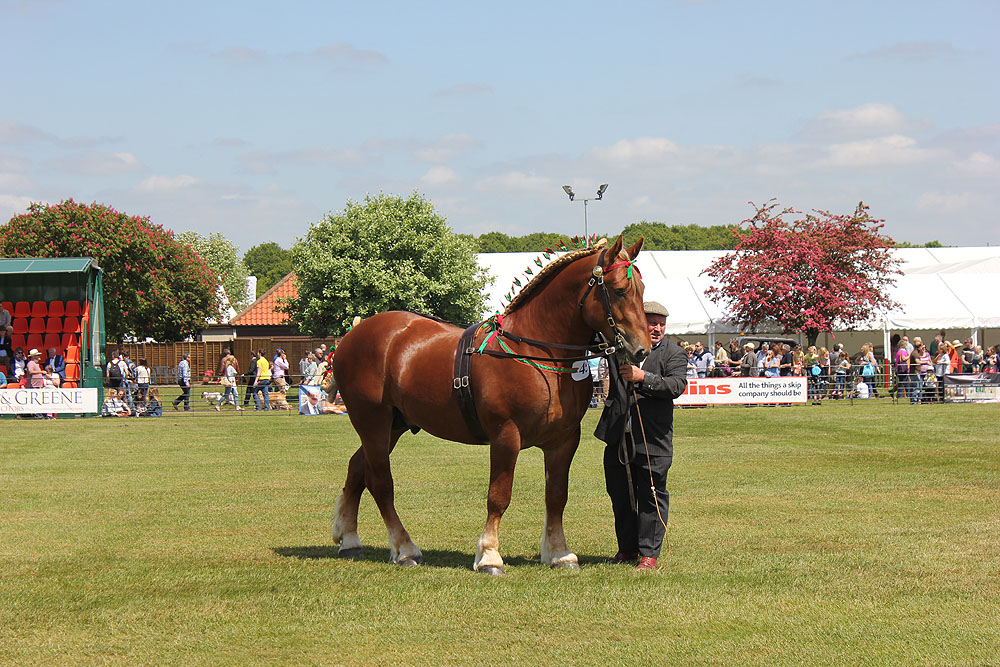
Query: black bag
[{"x": 115, "y": 373}]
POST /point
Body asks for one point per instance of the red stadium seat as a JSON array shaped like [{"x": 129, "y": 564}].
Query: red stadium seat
[
  {"x": 16, "y": 341},
  {"x": 53, "y": 340},
  {"x": 72, "y": 354},
  {"x": 85, "y": 310},
  {"x": 34, "y": 340},
  {"x": 72, "y": 309},
  {"x": 70, "y": 325},
  {"x": 68, "y": 385},
  {"x": 20, "y": 325},
  {"x": 72, "y": 371},
  {"x": 22, "y": 309},
  {"x": 39, "y": 309},
  {"x": 37, "y": 325},
  {"x": 8, "y": 306},
  {"x": 54, "y": 325},
  {"x": 57, "y": 309},
  {"x": 70, "y": 340}
]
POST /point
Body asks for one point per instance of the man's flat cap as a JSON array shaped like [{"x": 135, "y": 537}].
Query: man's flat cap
[{"x": 655, "y": 308}]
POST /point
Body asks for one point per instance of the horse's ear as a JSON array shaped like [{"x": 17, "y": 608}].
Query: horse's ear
[
  {"x": 615, "y": 249},
  {"x": 633, "y": 252}
]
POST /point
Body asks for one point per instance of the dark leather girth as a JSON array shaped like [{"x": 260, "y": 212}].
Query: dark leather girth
[{"x": 462, "y": 384}]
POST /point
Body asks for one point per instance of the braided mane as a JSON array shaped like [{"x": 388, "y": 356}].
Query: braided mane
[{"x": 548, "y": 270}]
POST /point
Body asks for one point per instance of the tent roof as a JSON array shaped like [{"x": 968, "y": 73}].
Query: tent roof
[
  {"x": 46, "y": 265},
  {"x": 939, "y": 288}
]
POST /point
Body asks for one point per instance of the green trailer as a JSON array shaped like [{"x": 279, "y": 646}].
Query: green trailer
[{"x": 64, "y": 279}]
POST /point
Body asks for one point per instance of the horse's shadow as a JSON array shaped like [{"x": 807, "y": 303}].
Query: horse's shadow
[{"x": 444, "y": 558}]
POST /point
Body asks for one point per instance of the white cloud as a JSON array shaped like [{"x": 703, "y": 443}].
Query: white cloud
[
  {"x": 979, "y": 164},
  {"x": 98, "y": 163},
  {"x": 644, "y": 149},
  {"x": 893, "y": 150},
  {"x": 945, "y": 202},
  {"x": 11, "y": 205},
  {"x": 515, "y": 181},
  {"x": 439, "y": 175},
  {"x": 158, "y": 184},
  {"x": 868, "y": 120}
]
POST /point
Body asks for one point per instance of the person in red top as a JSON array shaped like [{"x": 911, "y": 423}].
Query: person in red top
[
  {"x": 956, "y": 358},
  {"x": 34, "y": 370}
]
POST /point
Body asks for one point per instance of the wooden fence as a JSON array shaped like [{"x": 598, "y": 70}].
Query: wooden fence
[{"x": 162, "y": 358}]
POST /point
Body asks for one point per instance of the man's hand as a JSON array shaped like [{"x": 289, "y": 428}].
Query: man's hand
[{"x": 632, "y": 373}]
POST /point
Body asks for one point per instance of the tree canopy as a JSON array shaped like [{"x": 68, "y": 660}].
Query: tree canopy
[
  {"x": 154, "y": 286},
  {"x": 269, "y": 262},
  {"x": 808, "y": 274},
  {"x": 223, "y": 258},
  {"x": 386, "y": 253}
]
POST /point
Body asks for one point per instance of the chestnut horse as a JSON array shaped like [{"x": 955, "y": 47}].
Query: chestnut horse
[{"x": 394, "y": 372}]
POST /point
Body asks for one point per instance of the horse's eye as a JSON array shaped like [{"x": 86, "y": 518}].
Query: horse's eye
[{"x": 621, "y": 292}]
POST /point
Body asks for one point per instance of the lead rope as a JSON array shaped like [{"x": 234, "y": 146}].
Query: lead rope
[{"x": 649, "y": 466}]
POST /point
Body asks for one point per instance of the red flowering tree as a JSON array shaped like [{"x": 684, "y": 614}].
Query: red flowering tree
[
  {"x": 154, "y": 285},
  {"x": 809, "y": 274}
]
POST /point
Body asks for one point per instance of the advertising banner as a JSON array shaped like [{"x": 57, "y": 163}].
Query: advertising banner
[
  {"x": 47, "y": 401},
  {"x": 972, "y": 388},
  {"x": 743, "y": 391}
]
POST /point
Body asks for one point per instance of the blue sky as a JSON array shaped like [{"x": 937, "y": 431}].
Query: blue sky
[{"x": 255, "y": 119}]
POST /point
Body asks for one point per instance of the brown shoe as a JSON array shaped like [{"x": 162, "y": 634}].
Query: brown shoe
[
  {"x": 621, "y": 557},
  {"x": 646, "y": 563}
]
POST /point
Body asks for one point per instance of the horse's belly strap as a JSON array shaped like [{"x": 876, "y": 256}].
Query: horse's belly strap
[{"x": 462, "y": 384}]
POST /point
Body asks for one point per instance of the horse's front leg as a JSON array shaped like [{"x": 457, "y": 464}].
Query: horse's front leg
[
  {"x": 554, "y": 550},
  {"x": 503, "y": 457}
]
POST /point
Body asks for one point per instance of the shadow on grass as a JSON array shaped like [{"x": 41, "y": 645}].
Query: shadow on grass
[{"x": 432, "y": 557}]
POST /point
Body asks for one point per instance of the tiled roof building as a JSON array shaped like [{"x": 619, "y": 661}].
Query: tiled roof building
[{"x": 264, "y": 317}]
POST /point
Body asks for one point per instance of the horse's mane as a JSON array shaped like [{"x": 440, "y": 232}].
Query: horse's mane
[{"x": 548, "y": 270}]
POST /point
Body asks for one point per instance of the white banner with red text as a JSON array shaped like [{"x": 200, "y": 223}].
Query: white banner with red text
[
  {"x": 743, "y": 391},
  {"x": 47, "y": 401}
]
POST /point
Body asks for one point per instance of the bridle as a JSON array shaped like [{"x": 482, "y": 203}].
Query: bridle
[{"x": 599, "y": 348}]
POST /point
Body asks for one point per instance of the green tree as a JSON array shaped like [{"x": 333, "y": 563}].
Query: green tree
[
  {"x": 154, "y": 286},
  {"x": 659, "y": 236},
  {"x": 223, "y": 258},
  {"x": 269, "y": 262},
  {"x": 387, "y": 253}
]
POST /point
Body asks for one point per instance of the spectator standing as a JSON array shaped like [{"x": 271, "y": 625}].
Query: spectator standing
[
  {"x": 785, "y": 365},
  {"x": 955, "y": 352},
  {"x": 279, "y": 370},
  {"x": 843, "y": 368},
  {"x": 263, "y": 382},
  {"x": 34, "y": 370},
  {"x": 722, "y": 368},
  {"x": 184, "y": 381},
  {"x": 20, "y": 364},
  {"x": 902, "y": 366},
  {"x": 5, "y": 318},
  {"x": 704, "y": 362},
  {"x": 230, "y": 376},
  {"x": 748, "y": 361},
  {"x": 921, "y": 366},
  {"x": 7, "y": 349},
  {"x": 990, "y": 360},
  {"x": 142, "y": 379},
  {"x": 250, "y": 379},
  {"x": 968, "y": 356},
  {"x": 114, "y": 371},
  {"x": 942, "y": 366},
  {"x": 692, "y": 366},
  {"x": 977, "y": 359}
]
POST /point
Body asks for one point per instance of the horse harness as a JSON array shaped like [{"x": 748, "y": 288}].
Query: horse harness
[{"x": 461, "y": 381}]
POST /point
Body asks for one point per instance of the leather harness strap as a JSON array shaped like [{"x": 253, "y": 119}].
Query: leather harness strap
[{"x": 463, "y": 385}]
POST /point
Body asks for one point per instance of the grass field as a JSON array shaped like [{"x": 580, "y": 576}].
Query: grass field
[{"x": 866, "y": 534}]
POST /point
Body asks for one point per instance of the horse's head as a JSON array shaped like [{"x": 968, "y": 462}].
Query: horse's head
[{"x": 624, "y": 289}]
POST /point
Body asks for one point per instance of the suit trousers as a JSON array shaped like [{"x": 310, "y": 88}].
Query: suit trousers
[{"x": 638, "y": 527}]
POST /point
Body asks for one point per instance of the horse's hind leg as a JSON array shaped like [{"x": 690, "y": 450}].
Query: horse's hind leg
[
  {"x": 378, "y": 479},
  {"x": 345, "y": 510},
  {"x": 554, "y": 550}
]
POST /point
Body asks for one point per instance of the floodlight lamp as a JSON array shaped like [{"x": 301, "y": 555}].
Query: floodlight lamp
[
  {"x": 600, "y": 190},
  {"x": 568, "y": 190}
]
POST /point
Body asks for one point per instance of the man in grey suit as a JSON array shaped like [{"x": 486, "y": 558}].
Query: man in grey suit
[{"x": 644, "y": 452}]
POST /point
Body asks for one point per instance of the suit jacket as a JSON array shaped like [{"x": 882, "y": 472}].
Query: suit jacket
[
  {"x": 664, "y": 380},
  {"x": 59, "y": 365}
]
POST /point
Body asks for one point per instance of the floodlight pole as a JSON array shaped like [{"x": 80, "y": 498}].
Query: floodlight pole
[{"x": 586, "y": 200}]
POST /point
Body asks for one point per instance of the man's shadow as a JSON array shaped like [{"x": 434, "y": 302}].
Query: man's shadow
[{"x": 445, "y": 558}]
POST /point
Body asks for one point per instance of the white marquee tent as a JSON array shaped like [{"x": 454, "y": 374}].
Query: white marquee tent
[{"x": 956, "y": 289}]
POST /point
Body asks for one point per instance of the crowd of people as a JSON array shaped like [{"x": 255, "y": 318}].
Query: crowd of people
[{"x": 916, "y": 369}]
